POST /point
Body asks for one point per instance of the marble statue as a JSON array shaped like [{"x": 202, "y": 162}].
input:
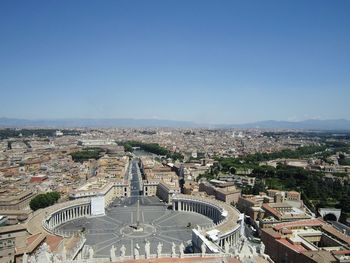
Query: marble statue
[
  {"x": 32, "y": 259},
  {"x": 44, "y": 254},
  {"x": 251, "y": 249},
  {"x": 147, "y": 249},
  {"x": 91, "y": 253},
  {"x": 182, "y": 250},
  {"x": 159, "y": 249},
  {"x": 173, "y": 250},
  {"x": 112, "y": 252},
  {"x": 64, "y": 254},
  {"x": 227, "y": 247},
  {"x": 262, "y": 248},
  {"x": 246, "y": 251},
  {"x": 122, "y": 251},
  {"x": 203, "y": 249},
  {"x": 25, "y": 258},
  {"x": 45, "y": 247},
  {"x": 56, "y": 259},
  {"x": 234, "y": 250},
  {"x": 137, "y": 251}
]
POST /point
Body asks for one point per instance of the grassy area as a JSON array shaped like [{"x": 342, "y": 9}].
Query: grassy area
[{"x": 86, "y": 154}]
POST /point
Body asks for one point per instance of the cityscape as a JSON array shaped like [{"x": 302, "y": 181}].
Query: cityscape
[
  {"x": 122, "y": 194},
  {"x": 174, "y": 131}
]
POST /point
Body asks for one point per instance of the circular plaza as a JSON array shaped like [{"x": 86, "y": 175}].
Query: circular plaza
[{"x": 129, "y": 225}]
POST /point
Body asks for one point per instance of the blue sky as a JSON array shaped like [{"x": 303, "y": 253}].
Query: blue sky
[{"x": 205, "y": 61}]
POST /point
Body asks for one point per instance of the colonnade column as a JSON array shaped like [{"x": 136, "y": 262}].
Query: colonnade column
[{"x": 68, "y": 214}]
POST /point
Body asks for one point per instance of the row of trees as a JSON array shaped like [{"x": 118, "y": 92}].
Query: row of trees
[
  {"x": 251, "y": 161},
  {"x": 148, "y": 147},
  {"x": 300, "y": 152},
  {"x": 43, "y": 133},
  {"x": 154, "y": 148},
  {"x": 44, "y": 200},
  {"x": 319, "y": 135}
]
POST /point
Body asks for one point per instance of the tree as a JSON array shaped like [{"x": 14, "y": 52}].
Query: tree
[
  {"x": 344, "y": 203},
  {"x": 44, "y": 200},
  {"x": 258, "y": 187},
  {"x": 291, "y": 182},
  {"x": 232, "y": 170}
]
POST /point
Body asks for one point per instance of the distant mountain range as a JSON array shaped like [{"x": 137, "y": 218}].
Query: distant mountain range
[
  {"x": 93, "y": 123},
  {"x": 336, "y": 124}
]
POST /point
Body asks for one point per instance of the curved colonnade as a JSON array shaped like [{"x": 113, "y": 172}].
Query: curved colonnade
[
  {"x": 226, "y": 228},
  {"x": 64, "y": 212}
]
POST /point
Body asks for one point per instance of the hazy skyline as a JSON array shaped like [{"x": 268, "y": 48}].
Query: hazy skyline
[{"x": 202, "y": 61}]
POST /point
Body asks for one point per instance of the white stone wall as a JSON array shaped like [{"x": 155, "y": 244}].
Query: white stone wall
[{"x": 97, "y": 205}]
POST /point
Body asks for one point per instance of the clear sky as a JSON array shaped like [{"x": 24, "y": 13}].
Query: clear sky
[{"x": 205, "y": 61}]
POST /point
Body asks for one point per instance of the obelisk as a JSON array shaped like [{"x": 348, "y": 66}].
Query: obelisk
[{"x": 138, "y": 214}]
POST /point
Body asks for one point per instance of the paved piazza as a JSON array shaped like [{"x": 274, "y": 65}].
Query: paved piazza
[{"x": 115, "y": 228}]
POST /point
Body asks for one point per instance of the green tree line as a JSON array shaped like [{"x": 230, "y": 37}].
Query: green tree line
[
  {"x": 42, "y": 133},
  {"x": 86, "y": 154},
  {"x": 154, "y": 148}
]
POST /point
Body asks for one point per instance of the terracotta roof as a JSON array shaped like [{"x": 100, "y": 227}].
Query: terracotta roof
[
  {"x": 32, "y": 238},
  {"x": 53, "y": 242},
  {"x": 272, "y": 232},
  {"x": 31, "y": 244},
  {"x": 300, "y": 223},
  {"x": 271, "y": 210},
  {"x": 333, "y": 231}
]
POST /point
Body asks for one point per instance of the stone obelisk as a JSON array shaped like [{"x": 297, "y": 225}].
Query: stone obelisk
[
  {"x": 138, "y": 214},
  {"x": 138, "y": 226}
]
